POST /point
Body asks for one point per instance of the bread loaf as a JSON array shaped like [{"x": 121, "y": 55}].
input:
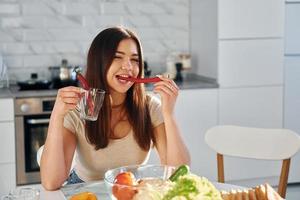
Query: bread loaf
[{"x": 261, "y": 192}]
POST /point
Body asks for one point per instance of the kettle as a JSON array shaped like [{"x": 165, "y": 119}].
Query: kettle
[
  {"x": 65, "y": 71},
  {"x": 63, "y": 75}
]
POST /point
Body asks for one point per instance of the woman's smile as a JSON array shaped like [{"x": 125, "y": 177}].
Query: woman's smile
[{"x": 121, "y": 80}]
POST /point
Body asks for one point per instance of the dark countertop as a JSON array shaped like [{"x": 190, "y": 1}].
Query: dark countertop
[
  {"x": 5, "y": 93},
  {"x": 13, "y": 92},
  {"x": 192, "y": 81}
]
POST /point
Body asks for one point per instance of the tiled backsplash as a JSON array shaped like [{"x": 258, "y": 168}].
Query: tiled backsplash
[{"x": 36, "y": 34}]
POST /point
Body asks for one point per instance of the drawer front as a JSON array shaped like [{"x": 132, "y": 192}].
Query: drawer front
[
  {"x": 6, "y": 110},
  {"x": 7, "y": 178},
  {"x": 7, "y": 142},
  {"x": 253, "y": 106},
  {"x": 251, "y": 62}
]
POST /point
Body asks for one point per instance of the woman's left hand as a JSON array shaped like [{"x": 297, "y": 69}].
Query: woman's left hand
[{"x": 168, "y": 90}]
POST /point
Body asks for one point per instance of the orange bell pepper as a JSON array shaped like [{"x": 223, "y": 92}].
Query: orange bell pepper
[{"x": 84, "y": 196}]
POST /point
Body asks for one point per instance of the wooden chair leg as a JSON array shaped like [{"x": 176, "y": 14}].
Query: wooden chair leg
[
  {"x": 284, "y": 175},
  {"x": 220, "y": 163}
]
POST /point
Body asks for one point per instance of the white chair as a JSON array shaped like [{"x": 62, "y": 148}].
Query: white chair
[{"x": 254, "y": 143}]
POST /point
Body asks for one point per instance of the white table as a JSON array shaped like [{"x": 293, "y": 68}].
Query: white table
[{"x": 99, "y": 189}]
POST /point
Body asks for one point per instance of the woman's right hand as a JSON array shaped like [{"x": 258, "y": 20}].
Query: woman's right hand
[{"x": 67, "y": 99}]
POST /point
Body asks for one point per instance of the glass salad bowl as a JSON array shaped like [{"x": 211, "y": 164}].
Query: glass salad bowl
[
  {"x": 132, "y": 182},
  {"x": 158, "y": 182}
]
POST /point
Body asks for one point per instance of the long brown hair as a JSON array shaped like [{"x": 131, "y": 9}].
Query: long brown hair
[{"x": 100, "y": 58}]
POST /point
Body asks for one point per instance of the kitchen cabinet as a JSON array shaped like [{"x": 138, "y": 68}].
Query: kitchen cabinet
[
  {"x": 250, "y": 18},
  {"x": 7, "y": 146},
  {"x": 196, "y": 111},
  {"x": 241, "y": 44},
  {"x": 254, "y": 107},
  {"x": 292, "y": 107},
  {"x": 7, "y": 109},
  {"x": 292, "y": 93},
  {"x": 257, "y": 107},
  {"x": 204, "y": 48},
  {"x": 291, "y": 78},
  {"x": 7, "y": 177},
  {"x": 238, "y": 43},
  {"x": 250, "y": 62},
  {"x": 7, "y": 143},
  {"x": 199, "y": 110}
]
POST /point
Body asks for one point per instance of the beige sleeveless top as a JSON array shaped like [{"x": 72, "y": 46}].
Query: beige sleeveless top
[{"x": 91, "y": 164}]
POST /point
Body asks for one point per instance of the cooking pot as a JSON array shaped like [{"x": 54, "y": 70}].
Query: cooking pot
[{"x": 34, "y": 83}]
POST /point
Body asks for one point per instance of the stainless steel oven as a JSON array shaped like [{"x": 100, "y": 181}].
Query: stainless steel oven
[{"x": 32, "y": 117}]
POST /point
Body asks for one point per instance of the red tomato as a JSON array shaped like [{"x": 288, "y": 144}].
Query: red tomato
[
  {"x": 124, "y": 192},
  {"x": 124, "y": 178}
]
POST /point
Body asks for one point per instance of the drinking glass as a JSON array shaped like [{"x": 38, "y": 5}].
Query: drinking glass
[
  {"x": 24, "y": 193},
  {"x": 90, "y": 103}
]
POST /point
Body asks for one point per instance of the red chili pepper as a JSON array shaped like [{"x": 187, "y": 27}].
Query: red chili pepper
[
  {"x": 81, "y": 79},
  {"x": 140, "y": 80},
  {"x": 85, "y": 86}
]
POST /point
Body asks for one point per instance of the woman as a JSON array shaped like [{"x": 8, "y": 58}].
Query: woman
[{"x": 130, "y": 122}]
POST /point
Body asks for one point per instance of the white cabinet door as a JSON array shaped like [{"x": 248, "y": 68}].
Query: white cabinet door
[
  {"x": 7, "y": 142},
  {"x": 292, "y": 107},
  {"x": 292, "y": 35},
  {"x": 250, "y": 18},
  {"x": 196, "y": 111},
  {"x": 250, "y": 62},
  {"x": 255, "y": 107},
  {"x": 6, "y": 110},
  {"x": 292, "y": 94},
  {"x": 7, "y": 146},
  {"x": 204, "y": 37},
  {"x": 7, "y": 178}
]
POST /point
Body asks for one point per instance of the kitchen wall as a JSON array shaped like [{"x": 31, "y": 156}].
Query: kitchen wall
[{"x": 35, "y": 34}]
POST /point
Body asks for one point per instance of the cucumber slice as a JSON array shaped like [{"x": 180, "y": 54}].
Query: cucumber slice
[{"x": 180, "y": 171}]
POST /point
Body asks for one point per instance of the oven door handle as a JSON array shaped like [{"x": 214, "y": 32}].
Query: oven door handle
[{"x": 38, "y": 121}]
